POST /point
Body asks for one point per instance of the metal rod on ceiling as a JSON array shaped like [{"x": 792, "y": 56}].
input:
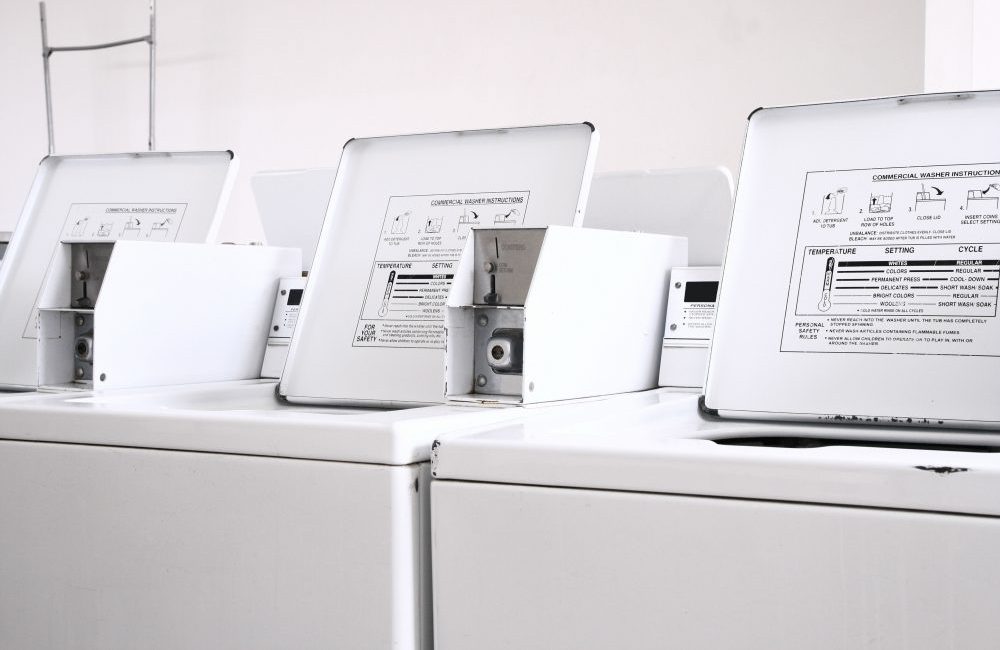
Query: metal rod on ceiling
[{"x": 48, "y": 51}]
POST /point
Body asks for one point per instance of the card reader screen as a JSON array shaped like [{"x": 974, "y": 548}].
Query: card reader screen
[
  {"x": 701, "y": 291},
  {"x": 294, "y": 297}
]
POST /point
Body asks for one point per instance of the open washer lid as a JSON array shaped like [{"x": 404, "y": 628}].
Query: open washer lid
[
  {"x": 861, "y": 275},
  {"x": 696, "y": 203},
  {"x": 152, "y": 196},
  {"x": 292, "y": 204},
  {"x": 370, "y": 330}
]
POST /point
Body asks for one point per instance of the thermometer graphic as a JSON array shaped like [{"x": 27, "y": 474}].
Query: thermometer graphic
[
  {"x": 384, "y": 309},
  {"x": 824, "y": 301}
]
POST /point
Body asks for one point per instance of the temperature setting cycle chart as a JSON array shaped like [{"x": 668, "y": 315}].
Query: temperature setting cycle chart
[{"x": 931, "y": 281}]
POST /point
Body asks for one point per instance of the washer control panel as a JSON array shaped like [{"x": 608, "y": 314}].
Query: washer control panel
[
  {"x": 286, "y": 307},
  {"x": 687, "y": 335},
  {"x": 691, "y": 303}
]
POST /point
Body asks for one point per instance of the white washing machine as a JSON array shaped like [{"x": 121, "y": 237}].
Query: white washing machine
[
  {"x": 215, "y": 516},
  {"x": 666, "y": 530},
  {"x": 856, "y": 502},
  {"x": 221, "y": 516}
]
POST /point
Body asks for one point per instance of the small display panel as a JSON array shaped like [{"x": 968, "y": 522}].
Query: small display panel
[
  {"x": 294, "y": 297},
  {"x": 701, "y": 291}
]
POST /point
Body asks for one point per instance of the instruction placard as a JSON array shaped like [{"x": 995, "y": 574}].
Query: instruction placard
[
  {"x": 419, "y": 247},
  {"x": 96, "y": 222},
  {"x": 897, "y": 261}
]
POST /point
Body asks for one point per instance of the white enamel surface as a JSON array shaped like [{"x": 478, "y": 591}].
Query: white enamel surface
[
  {"x": 243, "y": 418},
  {"x": 597, "y": 330},
  {"x": 663, "y": 444},
  {"x": 213, "y": 325},
  {"x": 540, "y": 568},
  {"x": 113, "y": 548}
]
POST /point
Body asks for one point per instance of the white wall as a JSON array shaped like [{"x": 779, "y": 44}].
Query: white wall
[
  {"x": 963, "y": 50},
  {"x": 284, "y": 83}
]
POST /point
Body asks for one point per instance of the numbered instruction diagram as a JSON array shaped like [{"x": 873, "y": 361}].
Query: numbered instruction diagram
[
  {"x": 419, "y": 247},
  {"x": 909, "y": 265},
  {"x": 91, "y": 222}
]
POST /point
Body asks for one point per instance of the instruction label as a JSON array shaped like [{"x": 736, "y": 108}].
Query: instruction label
[
  {"x": 96, "y": 222},
  {"x": 419, "y": 247},
  {"x": 897, "y": 261}
]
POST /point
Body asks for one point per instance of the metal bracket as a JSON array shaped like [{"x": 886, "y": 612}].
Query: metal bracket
[{"x": 48, "y": 51}]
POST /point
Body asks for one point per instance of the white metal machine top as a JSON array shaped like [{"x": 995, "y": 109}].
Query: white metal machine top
[
  {"x": 371, "y": 327},
  {"x": 239, "y": 417},
  {"x": 657, "y": 442},
  {"x": 862, "y": 271}
]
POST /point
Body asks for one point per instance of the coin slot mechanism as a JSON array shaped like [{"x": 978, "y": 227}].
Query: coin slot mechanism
[
  {"x": 505, "y": 260},
  {"x": 499, "y": 350}
]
